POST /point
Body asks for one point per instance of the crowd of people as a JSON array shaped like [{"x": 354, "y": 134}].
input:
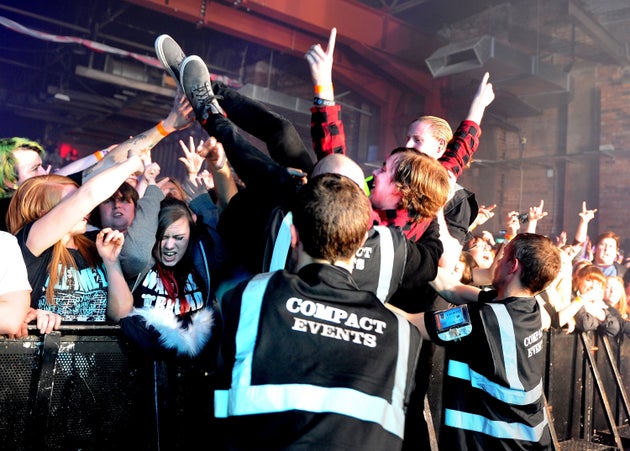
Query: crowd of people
[{"x": 312, "y": 295}]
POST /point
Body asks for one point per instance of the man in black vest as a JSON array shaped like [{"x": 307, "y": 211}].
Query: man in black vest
[
  {"x": 493, "y": 387},
  {"x": 311, "y": 361}
]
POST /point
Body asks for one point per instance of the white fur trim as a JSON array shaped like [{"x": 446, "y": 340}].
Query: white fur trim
[{"x": 186, "y": 341}]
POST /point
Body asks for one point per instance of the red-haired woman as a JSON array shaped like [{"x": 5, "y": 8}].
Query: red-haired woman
[{"x": 69, "y": 273}]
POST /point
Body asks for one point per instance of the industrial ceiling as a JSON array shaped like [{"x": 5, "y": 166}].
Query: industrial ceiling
[{"x": 58, "y": 85}]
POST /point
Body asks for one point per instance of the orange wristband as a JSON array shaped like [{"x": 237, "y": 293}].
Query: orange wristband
[
  {"x": 320, "y": 88},
  {"x": 161, "y": 129},
  {"x": 99, "y": 155}
]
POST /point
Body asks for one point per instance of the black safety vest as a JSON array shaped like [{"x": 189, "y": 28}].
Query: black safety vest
[{"x": 336, "y": 357}]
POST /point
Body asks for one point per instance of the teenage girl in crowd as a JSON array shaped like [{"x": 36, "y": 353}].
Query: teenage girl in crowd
[{"x": 67, "y": 271}]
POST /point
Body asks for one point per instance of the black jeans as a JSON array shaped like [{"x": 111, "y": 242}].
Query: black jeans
[
  {"x": 244, "y": 224},
  {"x": 280, "y": 136}
]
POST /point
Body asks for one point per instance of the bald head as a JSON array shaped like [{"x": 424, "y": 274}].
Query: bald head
[{"x": 340, "y": 164}]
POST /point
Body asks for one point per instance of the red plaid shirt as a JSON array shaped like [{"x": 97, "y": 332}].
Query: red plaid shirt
[
  {"x": 327, "y": 131},
  {"x": 329, "y": 137}
]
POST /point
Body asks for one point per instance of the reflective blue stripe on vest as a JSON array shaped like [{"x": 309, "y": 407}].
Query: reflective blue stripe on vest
[
  {"x": 309, "y": 398},
  {"x": 494, "y": 428},
  {"x": 517, "y": 397},
  {"x": 397, "y": 414},
  {"x": 508, "y": 343},
  {"x": 514, "y": 394},
  {"x": 245, "y": 399},
  {"x": 248, "y": 328},
  {"x": 387, "y": 262},
  {"x": 282, "y": 244}
]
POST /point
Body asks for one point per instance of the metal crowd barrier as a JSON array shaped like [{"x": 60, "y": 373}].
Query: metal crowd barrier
[
  {"x": 84, "y": 388},
  {"x": 587, "y": 382}
]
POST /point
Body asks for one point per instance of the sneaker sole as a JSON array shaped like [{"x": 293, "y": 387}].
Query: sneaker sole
[{"x": 172, "y": 69}]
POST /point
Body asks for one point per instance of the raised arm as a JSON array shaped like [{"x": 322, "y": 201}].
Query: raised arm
[
  {"x": 179, "y": 118},
  {"x": 536, "y": 213},
  {"x": 85, "y": 162},
  {"x": 460, "y": 150},
  {"x": 327, "y": 130},
  {"x": 77, "y": 205},
  {"x": 483, "y": 215},
  {"x": 452, "y": 247},
  {"x": 586, "y": 216},
  {"x": 224, "y": 183},
  {"x": 321, "y": 62},
  {"x": 192, "y": 161},
  {"x": 140, "y": 236},
  {"x": 109, "y": 243},
  {"x": 483, "y": 97}
]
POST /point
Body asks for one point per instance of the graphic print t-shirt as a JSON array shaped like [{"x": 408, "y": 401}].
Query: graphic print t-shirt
[
  {"x": 80, "y": 293},
  {"x": 152, "y": 294}
]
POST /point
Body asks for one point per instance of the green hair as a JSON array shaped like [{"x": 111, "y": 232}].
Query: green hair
[{"x": 8, "y": 174}]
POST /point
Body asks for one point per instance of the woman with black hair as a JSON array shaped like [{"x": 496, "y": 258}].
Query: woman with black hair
[
  {"x": 173, "y": 323},
  {"x": 172, "y": 309}
]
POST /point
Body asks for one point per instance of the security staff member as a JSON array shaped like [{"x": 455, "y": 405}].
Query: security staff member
[
  {"x": 312, "y": 362},
  {"x": 493, "y": 389}
]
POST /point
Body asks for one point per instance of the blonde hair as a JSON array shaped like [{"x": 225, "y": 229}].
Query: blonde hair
[
  {"x": 32, "y": 200},
  {"x": 439, "y": 127},
  {"x": 621, "y": 306}
]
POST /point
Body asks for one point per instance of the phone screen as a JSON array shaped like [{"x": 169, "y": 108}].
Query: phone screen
[{"x": 447, "y": 319}]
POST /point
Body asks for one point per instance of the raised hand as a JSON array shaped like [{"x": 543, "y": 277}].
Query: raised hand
[
  {"x": 151, "y": 172},
  {"x": 561, "y": 239},
  {"x": 587, "y": 215},
  {"x": 537, "y": 213},
  {"x": 109, "y": 243},
  {"x": 512, "y": 224},
  {"x": 191, "y": 159},
  {"x": 181, "y": 115},
  {"x": 483, "y": 97},
  {"x": 321, "y": 62},
  {"x": 484, "y": 215},
  {"x": 212, "y": 150}
]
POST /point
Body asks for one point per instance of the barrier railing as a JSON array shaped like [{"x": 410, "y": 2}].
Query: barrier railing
[
  {"x": 84, "y": 388},
  {"x": 587, "y": 379}
]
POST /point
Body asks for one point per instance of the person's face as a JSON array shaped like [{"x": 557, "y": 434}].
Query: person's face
[
  {"x": 28, "y": 164},
  {"x": 586, "y": 285},
  {"x": 612, "y": 292},
  {"x": 385, "y": 194},
  {"x": 117, "y": 213},
  {"x": 175, "y": 242},
  {"x": 420, "y": 137},
  {"x": 481, "y": 251},
  {"x": 606, "y": 252},
  {"x": 170, "y": 190}
]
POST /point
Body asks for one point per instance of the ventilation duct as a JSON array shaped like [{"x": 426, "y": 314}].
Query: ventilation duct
[{"x": 509, "y": 68}]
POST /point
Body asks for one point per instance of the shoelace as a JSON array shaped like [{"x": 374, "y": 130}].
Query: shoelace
[{"x": 203, "y": 93}]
